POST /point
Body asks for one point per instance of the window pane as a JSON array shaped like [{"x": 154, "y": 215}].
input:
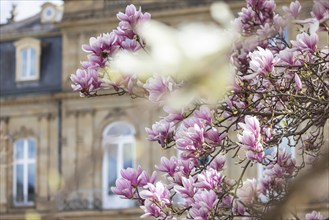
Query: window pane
[
  {"x": 24, "y": 61},
  {"x": 32, "y": 70},
  {"x": 120, "y": 129},
  {"x": 112, "y": 165},
  {"x": 31, "y": 149},
  {"x": 19, "y": 150},
  {"x": 127, "y": 155},
  {"x": 31, "y": 183},
  {"x": 19, "y": 183}
]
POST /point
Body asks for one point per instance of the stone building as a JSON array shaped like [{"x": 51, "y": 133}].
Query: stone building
[{"x": 58, "y": 156}]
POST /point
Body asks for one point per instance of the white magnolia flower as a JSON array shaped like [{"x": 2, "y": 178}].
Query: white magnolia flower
[{"x": 196, "y": 54}]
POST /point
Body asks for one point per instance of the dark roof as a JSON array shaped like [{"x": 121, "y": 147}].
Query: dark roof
[{"x": 29, "y": 26}]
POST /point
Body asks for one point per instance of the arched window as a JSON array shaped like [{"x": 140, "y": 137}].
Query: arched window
[
  {"x": 119, "y": 153},
  {"x": 24, "y": 172}
]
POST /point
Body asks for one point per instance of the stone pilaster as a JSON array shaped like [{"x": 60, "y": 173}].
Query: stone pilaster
[
  {"x": 4, "y": 163},
  {"x": 42, "y": 163}
]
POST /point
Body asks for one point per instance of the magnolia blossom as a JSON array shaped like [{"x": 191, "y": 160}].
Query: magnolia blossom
[
  {"x": 123, "y": 187},
  {"x": 158, "y": 192},
  {"x": 159, "y": 87},
  {"x": 190, "y": 140},
  {"x": 85, "y": 81},
  {"x": 248, "y": 193},
  {"x": 261, "y": 62},
  {"x": 161, "y": 131},
  {"x": 250, "y": 140},
  {"x": 298, "y": 82},
  {"x": 157, "y": 199},
  {"x": 321, "y": 10},
  {"x": 204, "y": 203},
  {"x": 210, "y": 179},
  {"x": 205, "y": 114},
  {"x": 187, "y": 190},
  {"x": 306, "y": 42},
  {"x": 294, "y": 9},
  {"x": 276, "y": 174},
  {"x": 314, "y": 216},
  {"x": 151, "y": 210},
  {"x": 103, "y": 45},
  {"x": 129, "y": 21},
  {"x": 218, "y": 163},
  {"x": 167, "y": 166}
]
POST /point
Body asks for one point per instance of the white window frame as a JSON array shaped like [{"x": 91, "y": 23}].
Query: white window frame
[
  {"x": 25, "y": 162},
  {"x": 28, "y": 44},
  {"x": 114, "y": 201}
]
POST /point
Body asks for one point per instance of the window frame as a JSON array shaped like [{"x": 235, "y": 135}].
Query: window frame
[
  {"x": 114, "y": 201},
  {"x": 26, "y": 161},
  {"x": 30, "y": 44}
]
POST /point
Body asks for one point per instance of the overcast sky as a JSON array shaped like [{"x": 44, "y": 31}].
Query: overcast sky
[{"x": 25, "y": 8}]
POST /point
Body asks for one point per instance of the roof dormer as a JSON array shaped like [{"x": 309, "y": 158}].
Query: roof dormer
[{"x": 51, "y": 13}]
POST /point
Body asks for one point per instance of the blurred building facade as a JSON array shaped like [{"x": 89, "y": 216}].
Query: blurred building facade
[{"x": 58, "y": 153}]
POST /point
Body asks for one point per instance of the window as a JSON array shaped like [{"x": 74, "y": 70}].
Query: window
[
  {"x": 119, "y": 153},
  {"x": 27, "y": 59},
  {"x": 24, "y": 172}
]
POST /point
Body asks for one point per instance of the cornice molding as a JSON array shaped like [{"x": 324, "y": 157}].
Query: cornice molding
[
  {"x": 17, "y": 36},
  {"x": 112, "y": 19}
]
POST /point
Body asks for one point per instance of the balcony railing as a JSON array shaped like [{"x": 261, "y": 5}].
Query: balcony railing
[{"x": 83, "y": 199}]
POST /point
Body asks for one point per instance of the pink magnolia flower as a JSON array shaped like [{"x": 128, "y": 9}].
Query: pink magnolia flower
[
  {"x": 248, "y": 193},
  {"x": 210, "y": 180},
  {"x": 199, "y": 213},
  {"x": 103, "y": 46},
  {"x": 190, "y": 140},
  {"x": 173, "y": 114},
  {"x": 204, "y": 113},
  {"x": 205, "y": 200},
  {"x": 159, "y": 87},
  {"x": 123, "y": 187},
  {"x": 251, "y": 125},
  {"x": 129, "y": 21},
  {"x": 132, "y": 175},
  {"x": 219, "y": 162},
  {"x": 85, "y": 81},
  {"x": 130, "y": 44},
  {"x": 144, "y": 178},
  {"x": 227, "y": 201},
  {"x": 161, "y": 131},
  {"x": 298, "y": 82},
  {"x": 294, "y": 9},
  {"x": 187, "y": 190},
  {"x": 250, "y": 140},
  {"x": 285, "y": 160},
  {"x": 185, "y": 166},
  {"x": 157, "y": 193},
  {"x": 287, "y": 57},
  {"x": 168, "y": 166},
  {"x": 261, "y": 62},
  {"x": 151, "y": 210},
  {"x": 321, "y": 10},
  {"x": 306, "y": 42},
  {"x": 214, "y": 137},
  {"x": 94, "y": 62},
  {"x": 314, "y": 216},
  {"x": 238, "y": 208}
]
